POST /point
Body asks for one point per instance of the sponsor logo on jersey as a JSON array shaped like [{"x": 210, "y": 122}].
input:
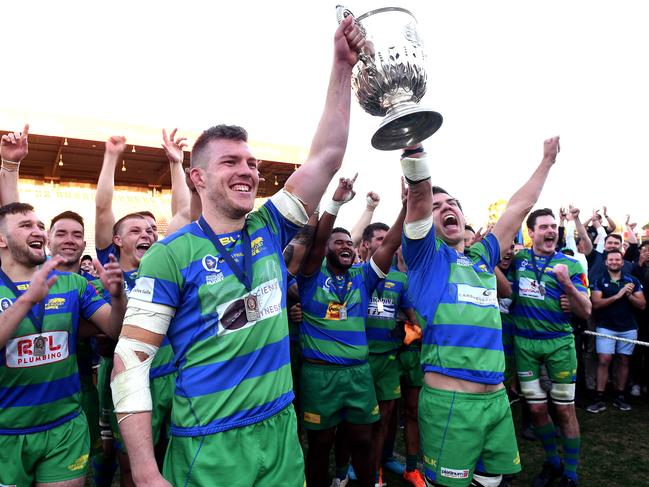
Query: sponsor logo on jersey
[
  {"x": 388, "y": 308},
  {"x": 228, "y": 240},
  {"x": 482, "y": 267},
  {"x": 477, "y": 295},
  {"x": 517, "y": 459},
  {"x": 232, "y": 314},
  {"x": 256, "y": 245},
  {"x": 5, "y": 303},
  {"x": 333, "y": 311},
  {"x": 525, "y": 373},
  {"x": 210, "y": 263},
  {"x": 389, "y": 285},
  {"x": 464, "y": 261},
  {"x": 454, "y": 474},
  {"x": 523, "y": 265},
  {"x": 143, "y": 289},
  {"x": 529, "y": 288},
  {"x": 430, "y": 461},
  {"x": 55, "y": 303},
  {"x": 37, "y": 349}
]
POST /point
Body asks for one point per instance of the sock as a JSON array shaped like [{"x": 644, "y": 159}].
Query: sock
[
  {"x": 600, "y": 396},
  {"x": 571, "y": 447},
  {"x": 411, "y": 462},
  {"x": 341, "y": 472},
  {"x": 621, "y": 396},
  {"x": 548, "y": 437}
]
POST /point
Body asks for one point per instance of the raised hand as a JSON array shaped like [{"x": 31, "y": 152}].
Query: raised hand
[
  {"x": 14, "y": 146},
  {"x": 550, "y": 149},
  {"x": 372, "y": 200},
  {"x": 41, "y": 282},
  {"x": 345, "y": 190},
  {"x": 116, "y": 144},
  {"x": 573, "y": 212},
  {"x": 562, "y": 215},
  {"x": 173, "y": 146},
  {"x": 111, "y": 276},
  {"x": 561, "y": 271},
  {"x": 348, "y": 40}
]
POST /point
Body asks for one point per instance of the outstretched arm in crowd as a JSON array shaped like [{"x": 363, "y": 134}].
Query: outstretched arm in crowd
[
  {"x": 582, "y": 233},
  {"x": 385, "y": 253},
  {"x": 13, "y": 149},
  {"x": 633, "y": 252},
  {"x": 104, "y": 216},
  {"x": 522, "y": 202},
  {"x": 372, "y": 201},
  {"x": 343, "y": 194},
  {"x": 310, "y": 181},
  {"x": 611, "y": 224},
  {"x": 600, "y": 239},
  {"x": 419, "y": 204}
]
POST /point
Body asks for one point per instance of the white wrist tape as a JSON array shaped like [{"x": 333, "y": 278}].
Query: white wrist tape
[
  {"x": 371, "y": 203},
  {"x": 150, "y": 316},
  {"x": 333, "y": 207},
  {"x": 130, "y": 387},
  {"x": 415, "y": 169},
  {"x": 291, "y": 207},
  {"x": 376, "y": 268},
  {"x": 418, "y": 229}
]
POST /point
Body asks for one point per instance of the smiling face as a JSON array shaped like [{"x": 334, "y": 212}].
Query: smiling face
[
  {"x": 23, "y": 235},
  {"x": 135, "y": 237},
  {"x": 614, "y": 261},
  {"x": 374, "y": 243},
  {"x": 229, "y": 179},
  {"x": 506, "y": 259},
  {"x": 66, "y": 240},
  {"x": 448, "y": 220},
  {"x": 340, "y": 251},
  {"x": 544, "y": 235}
]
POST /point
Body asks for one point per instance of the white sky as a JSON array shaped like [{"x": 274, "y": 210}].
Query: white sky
[{"x": 504, "y": 74}]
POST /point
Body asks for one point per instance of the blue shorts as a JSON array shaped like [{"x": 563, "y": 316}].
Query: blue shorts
[{"x": 609, "y": 346}]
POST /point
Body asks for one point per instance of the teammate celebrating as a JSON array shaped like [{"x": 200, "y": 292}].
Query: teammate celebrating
[
  {"x": 462, "y": 352},
  {"x": 43, "y": 431},
  {"x": 548, "y": 285},
  {"x": 217, "y": 289}
]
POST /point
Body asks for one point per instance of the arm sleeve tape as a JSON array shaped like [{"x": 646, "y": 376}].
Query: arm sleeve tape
[
  {"x": 333, "y": 207},
  {"x": 130, "y": 387},
  {"x": 291, "y": 207},
  {"x": 415, "y": 169},
  {"x": 149, "y": 316},
  {"x": 376, "y": 268},
  {"x": 418, "y": 229}
]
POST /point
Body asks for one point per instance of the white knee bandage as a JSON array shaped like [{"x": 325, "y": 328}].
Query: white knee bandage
[
  {"x": 130, "y": 387},
  {"x": 563, "y": 394},
  {"x": 418, "y": 229},
  {"x": 533, "y": 392},
  {"x": 291, "y": 207},
  {"x": 484, "y": 481}
]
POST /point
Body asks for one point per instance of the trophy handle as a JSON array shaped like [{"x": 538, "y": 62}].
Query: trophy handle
[{"x": 341, "y": 14}]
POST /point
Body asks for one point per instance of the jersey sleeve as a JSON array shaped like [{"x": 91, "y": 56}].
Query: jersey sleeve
[
  {"x": 370, "y": 277},
  {"x": 578, "y": 277},
  {"x": 488, "y": 250},
  {"x": 102, "y": 254},
  {"x": 596, "y": 285},
  {"x": 278, "y": 224},
  {"x": 404, "y": 300},
  {"x": 418, "y": 252},
  {"x": 91, "y": 300},
  {"x": 160, "y": 280}
]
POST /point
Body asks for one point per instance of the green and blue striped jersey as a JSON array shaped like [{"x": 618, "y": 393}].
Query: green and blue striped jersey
[{"x": 231, "y": 372}]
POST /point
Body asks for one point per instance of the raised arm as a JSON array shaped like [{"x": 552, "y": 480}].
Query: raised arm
[
  {"x": 310, "y": 181},
  {"x": 611, "y": 224},
  {"x": 344, "y": 193},
  {"x": 416, "y": 172},
  {"x": 180, "y": 194},
  {"x": 372, "y": 201},
  {"x": 104, "y": 216},
  {"x": 13, "y": 149},
  {"x": 298, "y": 248},
  {"x": 385, "y": 253},
  {"x": 522, "y": 202},
  {"x": 581, "y": 230}
]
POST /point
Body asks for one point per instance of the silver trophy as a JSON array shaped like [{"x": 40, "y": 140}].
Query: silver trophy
[{"x": 390, "y": 79}]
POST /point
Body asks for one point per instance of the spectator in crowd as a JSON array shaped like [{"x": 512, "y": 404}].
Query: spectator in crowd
[
  {"x": 614, "y": 297},
  {"x": 88, "y": 268},
  {"x": 640, "y": 360},
  {"x": 49, "y": 413},
  {"x": 455, "y": 294},
  {"x": 595, "y": 226},
  {"x": 252, "y": 418}
]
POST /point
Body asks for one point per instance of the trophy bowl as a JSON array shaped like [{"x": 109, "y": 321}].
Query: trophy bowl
[{"x": 390, "y": 79}]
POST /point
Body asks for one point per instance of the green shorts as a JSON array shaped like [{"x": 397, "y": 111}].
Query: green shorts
[
  {"x": 410, "y": 365},
  {"x": 558, "y": 355},
  {"x": 385, "y": 372},
  {"x": 162, "y": 395},
  {"x": 90, "y": 406},
  {"x": 264, "y": 454},
  {"x": 331, "y": 394},
  {"x": 55, "y": 455},
  {"x": 462, "y": 432}
]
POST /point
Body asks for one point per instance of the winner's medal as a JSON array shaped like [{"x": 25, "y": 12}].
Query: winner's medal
[
  {"x": 39, "y": 346},
  {"x": 252, "y": 308}
]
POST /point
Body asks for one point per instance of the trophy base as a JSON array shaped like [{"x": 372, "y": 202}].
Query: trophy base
[{"x": 403, "y": 128}]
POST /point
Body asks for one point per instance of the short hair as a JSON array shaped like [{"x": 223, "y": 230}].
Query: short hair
[
  {"x": 531, "y": 219},
  {"x": 440, "y": 190},
  {"x": 644, "y": 244},
  {"x": 469, "y": 228},
  {"x": 568, "y": 251},
  {"x": 341, "y": 230},
  {"x": 615, "y": 251},
  {"x": 118, "y": 224},
  {"x": 13, "y": 208},
  {"x": 147, "y": 213},
  {"x": 68, "y": 215},
  {"x": 616, "y": 236},
  {"x": 228, "y": 132},
  {"x": 86, "y": 257},
  {"x": 368, "y": 232}
]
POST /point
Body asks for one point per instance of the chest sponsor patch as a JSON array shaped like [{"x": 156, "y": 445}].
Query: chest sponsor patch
[
  {"x": 336, "y": 311},
  {"x": 384, "y": 310},
  {"x": 233, "y": 313},
  {"x": 143, "y": 290},
  {"x": 37, "y": 349},
  {"x": 529, "y": 288},
  {"x": 477, "y": 295}
]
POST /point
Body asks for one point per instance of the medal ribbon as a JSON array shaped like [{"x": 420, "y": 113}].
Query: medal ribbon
[
  {"x": 244, "y": 276},
  {"x": 337, "y": 290},
  {"x": 539, "y": 275},
  {"x": 37, "y": 320}
]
